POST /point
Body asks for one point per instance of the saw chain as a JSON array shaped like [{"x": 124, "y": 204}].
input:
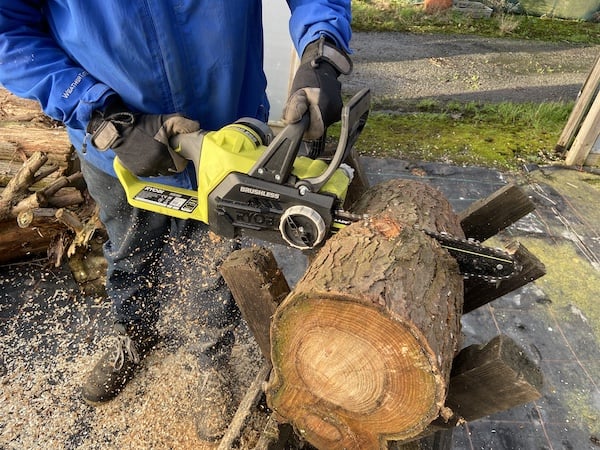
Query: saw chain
[{"x": 474, "y": 259}]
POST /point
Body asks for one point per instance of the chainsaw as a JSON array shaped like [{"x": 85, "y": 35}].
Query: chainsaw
[{"x": 251, "y": 183}]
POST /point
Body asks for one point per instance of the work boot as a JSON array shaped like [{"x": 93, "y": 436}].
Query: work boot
[
  {"x": 214, "y": 406},
  {"x": 117, "y": 366}
]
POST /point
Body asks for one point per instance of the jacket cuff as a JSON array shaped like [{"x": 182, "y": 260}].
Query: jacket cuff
[{"x": 324, "y": 49}]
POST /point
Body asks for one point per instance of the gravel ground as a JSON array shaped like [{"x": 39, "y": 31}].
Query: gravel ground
[{"x": 402, "y": 66}]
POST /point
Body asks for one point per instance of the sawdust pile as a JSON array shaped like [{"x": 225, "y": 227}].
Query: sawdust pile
[{"x": 50, "y": 338}]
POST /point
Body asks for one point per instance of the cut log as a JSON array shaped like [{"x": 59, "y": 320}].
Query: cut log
[
  {"x": 18, "y": 242},
  {"x": 362, "y": 347}
]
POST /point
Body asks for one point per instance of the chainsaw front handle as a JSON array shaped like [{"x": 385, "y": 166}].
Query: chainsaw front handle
[{"x": 354, "y": 118}]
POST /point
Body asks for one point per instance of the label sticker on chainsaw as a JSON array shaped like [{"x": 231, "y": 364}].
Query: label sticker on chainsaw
[{"x": 168, "y": 199}]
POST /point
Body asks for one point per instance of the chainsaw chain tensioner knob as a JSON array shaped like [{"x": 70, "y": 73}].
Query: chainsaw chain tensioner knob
[{"x": 302, "y": 227}]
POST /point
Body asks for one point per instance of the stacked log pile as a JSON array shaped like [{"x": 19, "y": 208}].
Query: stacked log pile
[{"x": 44, "y": 208}]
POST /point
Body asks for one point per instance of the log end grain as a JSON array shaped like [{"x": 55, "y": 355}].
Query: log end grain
[{"x": 352, "y": 374}]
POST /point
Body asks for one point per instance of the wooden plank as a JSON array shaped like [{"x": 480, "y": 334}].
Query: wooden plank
[
  {"x": 586, "y": 137},
  {"x": 250, "y": 400},
  {"x": 486, "y": 217},
  {"x": 491, "y": 378},
  {"x": 257, "y": 285},
  {"x": 586, "y": 96},
  {"x": 479, "y": 292}
]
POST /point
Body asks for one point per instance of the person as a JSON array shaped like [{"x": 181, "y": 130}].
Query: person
[{"x": 124, "y": 77}]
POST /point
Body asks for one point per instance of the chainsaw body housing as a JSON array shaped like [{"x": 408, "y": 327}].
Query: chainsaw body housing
[{"x": 248, "y": 187}]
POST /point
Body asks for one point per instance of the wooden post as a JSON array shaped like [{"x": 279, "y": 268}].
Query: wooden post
[
  {"x": 258, "y": 286},
  {"x": 490, "y": 378},
  {"x": 480, "y": 292},
  {"x": 586, "y": 137},
  {"x": 587, "y": 94},
  {"x": 486, "y": 217}
]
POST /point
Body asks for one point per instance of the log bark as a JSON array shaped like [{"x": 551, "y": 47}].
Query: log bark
[{"x": 362, "y": 347}]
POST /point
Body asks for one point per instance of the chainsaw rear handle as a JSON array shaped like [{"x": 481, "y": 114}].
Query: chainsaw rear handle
[{"x": 187, "y": 147}]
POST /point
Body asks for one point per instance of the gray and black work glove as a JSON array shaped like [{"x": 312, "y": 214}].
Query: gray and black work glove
[
  {"x": 316, "y": 88},
  {"x": 141, "y": 141}
]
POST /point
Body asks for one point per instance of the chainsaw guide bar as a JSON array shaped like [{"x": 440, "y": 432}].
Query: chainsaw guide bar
[{"x": 476, "y": 260}]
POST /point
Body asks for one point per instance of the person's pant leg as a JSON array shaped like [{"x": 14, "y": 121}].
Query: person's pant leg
[
  {"x": 135, "y": 243},
  {"x": 192, "y": 261},
  {"x": 151, "y": 256}
]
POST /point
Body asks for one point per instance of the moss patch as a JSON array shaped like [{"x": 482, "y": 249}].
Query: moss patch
[
  {"x": 570, "y": 280},
  {"x": 503, "y": 136}
]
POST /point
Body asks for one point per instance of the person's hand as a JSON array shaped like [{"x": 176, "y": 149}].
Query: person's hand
[
  {"x": 141, "y": 141},
  {"x": 316, "y": 88}
]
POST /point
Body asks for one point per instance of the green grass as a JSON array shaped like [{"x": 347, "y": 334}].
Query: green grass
[
  {"x": 394, "y": 15},
  {"x": 505, "y": 135}
]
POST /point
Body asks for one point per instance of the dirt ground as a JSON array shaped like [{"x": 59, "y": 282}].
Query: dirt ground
[{"x": 50, "y": 332}]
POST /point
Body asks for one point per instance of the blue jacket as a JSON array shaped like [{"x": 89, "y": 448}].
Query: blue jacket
[{"x": 201, "y": 58}]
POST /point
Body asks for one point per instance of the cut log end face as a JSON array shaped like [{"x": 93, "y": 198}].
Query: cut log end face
[{"x": 358, "y": 375}]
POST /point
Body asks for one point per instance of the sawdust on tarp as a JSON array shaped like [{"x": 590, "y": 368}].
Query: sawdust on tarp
[{"x": 55, "y": 338}]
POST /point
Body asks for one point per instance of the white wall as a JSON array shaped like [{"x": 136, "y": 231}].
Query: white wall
[{"x": 279, "y": 54}]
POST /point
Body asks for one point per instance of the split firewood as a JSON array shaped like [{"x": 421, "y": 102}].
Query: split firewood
[{"x": 27, "y": 130}]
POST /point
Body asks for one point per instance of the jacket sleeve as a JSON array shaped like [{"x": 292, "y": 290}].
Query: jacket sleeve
[
  {"x": 33, "y": 66},
  {"x": 312, "y": 18}
]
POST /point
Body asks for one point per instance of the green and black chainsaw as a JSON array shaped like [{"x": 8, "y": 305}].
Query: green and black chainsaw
[{"x": 250, "y": 183}]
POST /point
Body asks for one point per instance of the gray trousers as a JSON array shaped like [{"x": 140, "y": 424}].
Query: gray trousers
[{"x": 154, "y": 258}]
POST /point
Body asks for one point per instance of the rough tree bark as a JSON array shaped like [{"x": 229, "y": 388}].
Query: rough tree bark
[{"x": 362, "y": 347}]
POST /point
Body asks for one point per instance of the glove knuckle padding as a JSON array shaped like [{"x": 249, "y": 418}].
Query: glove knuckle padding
[
  {"x": 178, "y": 124},
  {"x": 142, "y": 144},
  {"x": 296, "y": 107}
]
